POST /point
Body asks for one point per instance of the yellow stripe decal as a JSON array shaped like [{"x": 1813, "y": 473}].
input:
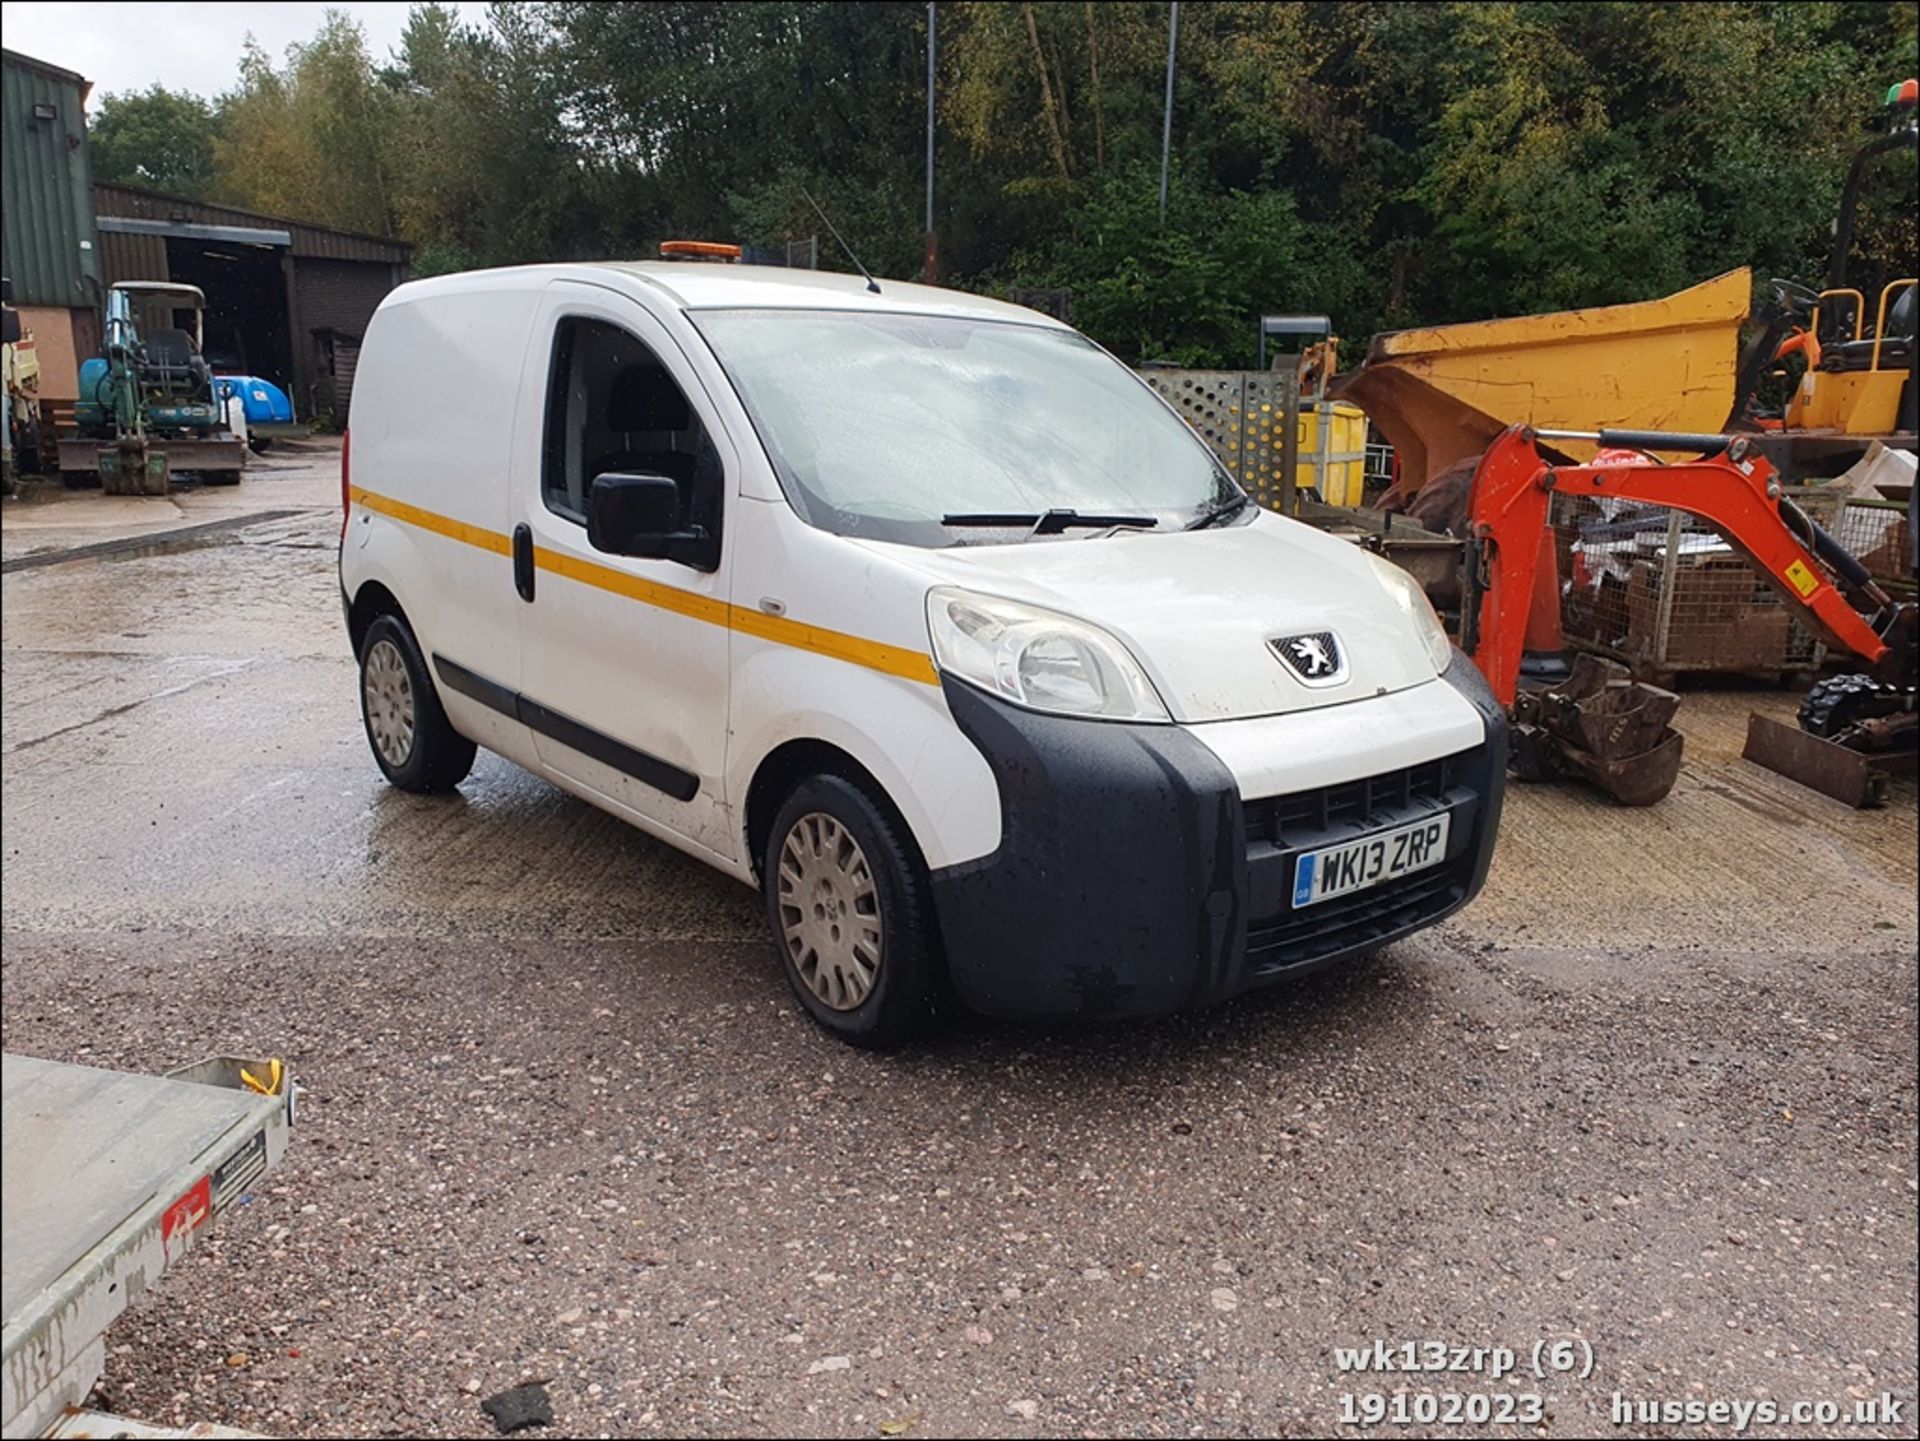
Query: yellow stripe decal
[
  {"x": 892, "y": 659},
  {"x": 438, "y": 524},
  {"x": 857, "y": 650},
  {"x": 633, "y": 587}
]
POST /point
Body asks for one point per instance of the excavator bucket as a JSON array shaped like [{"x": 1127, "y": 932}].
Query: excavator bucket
[
  {"x": 1601, "y": 724},
  {"x": 132, "y": 467}
]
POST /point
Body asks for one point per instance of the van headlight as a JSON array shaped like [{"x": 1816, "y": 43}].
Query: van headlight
[
  {"x": 1408, "y": 595},
  {"x": 1038, "y": 658}
]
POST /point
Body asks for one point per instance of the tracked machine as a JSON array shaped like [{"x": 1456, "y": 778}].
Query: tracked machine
[
  {"x": 1599, "y": 723},
  {"x": 148, "y": 407}
]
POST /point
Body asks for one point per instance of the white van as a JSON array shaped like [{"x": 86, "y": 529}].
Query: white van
[{"x": 915, "y": 610}]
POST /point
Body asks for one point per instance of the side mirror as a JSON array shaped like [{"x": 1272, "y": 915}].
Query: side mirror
[
  {"x": 639, "y": 515},
  {"x": 9, "y": 326}
]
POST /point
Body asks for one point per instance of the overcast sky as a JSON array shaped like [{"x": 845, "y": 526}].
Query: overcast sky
[{"x": 185, "y": 47}]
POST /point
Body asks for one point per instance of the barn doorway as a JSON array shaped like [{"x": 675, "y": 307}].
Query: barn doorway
[{"x": 246, "y": 319}]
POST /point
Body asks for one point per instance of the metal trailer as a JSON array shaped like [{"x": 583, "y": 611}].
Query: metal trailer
[{"x": 108, "y": 1180}]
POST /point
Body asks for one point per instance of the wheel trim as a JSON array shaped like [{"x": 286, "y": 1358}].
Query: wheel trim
[
  {"x": 829, "y": 906},
  {"x": 388, "y": 691}
]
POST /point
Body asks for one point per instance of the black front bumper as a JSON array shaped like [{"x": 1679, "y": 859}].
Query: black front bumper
[{"x": 1131, "y": 879}]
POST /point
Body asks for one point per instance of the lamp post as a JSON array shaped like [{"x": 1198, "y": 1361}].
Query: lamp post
[
  {"x": 931, "y": 267},
  {"x": 1166, "y": 124}
]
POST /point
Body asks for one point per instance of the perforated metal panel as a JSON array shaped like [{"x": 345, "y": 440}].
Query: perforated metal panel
[{"x": 1237, "y": 413}]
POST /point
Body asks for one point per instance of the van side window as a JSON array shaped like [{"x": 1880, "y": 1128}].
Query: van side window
[{"x": 612, "y": 407}]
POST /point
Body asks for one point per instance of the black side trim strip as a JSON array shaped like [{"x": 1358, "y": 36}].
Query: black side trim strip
[
  {"x": 649, "y": 770},
  {"x": 477, "y": 687}
]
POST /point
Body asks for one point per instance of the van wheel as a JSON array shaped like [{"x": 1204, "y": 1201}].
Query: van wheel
[
  {"x": 847, "y": 898},
  {"x": 416, "y": 746}
]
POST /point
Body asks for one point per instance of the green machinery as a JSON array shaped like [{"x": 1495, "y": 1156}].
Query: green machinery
[{"x": 147, "y": 407}]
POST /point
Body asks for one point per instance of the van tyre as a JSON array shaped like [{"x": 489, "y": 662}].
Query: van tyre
[
  {"x": 852, "y": 913},
  {"x": 412, "y": 740}
]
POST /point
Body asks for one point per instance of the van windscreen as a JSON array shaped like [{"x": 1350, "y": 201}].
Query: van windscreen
[{"x": 948, "y": 430}]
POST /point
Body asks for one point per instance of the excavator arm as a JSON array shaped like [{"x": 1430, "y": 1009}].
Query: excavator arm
[
  {"x": 1730, "y": 485},
  {"x": 1598, "y": 722}
]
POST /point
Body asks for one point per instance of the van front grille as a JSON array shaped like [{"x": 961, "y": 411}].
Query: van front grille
[
  {"x": 1280, "y": 828},
  {"x": 1295, "y": 819}
]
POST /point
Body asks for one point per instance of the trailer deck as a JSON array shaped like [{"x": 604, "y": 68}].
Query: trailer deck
[{"x": 105, "y": 1181}]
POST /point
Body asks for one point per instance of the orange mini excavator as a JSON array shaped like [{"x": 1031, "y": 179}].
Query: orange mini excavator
[{"x": 1598, "y": 722}]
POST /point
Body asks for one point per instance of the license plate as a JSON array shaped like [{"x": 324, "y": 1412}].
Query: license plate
[{"x": 1355, "y": 865}]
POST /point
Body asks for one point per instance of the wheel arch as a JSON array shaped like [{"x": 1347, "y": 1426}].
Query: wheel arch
[
  {"x": 791, "y": 762},
  {"x": 369, "y": 603}
]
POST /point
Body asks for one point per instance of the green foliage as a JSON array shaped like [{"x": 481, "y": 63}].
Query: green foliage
[
  {"x": 310, "y": 139},
  {"x": 484, "y": 174},
  {"x": 158, "y": 138},
  {"x": 1188, "y": 291},
  {"x": 1388, "y": 163}
]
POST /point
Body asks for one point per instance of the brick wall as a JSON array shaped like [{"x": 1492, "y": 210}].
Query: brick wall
[{"x": 334, "y": 298}]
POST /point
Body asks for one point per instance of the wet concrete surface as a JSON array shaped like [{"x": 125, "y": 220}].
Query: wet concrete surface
[{"x": 1655, "y": 1090}]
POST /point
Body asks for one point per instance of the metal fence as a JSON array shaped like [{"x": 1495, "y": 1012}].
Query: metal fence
[{"x": 1379, "y": 466}]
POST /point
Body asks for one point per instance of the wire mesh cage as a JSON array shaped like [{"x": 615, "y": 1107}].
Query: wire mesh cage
[
  {"x": 1662, "y": 591},
  {"x": 1879, "y": 534}
]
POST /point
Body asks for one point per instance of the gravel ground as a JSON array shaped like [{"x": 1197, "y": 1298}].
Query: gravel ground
[
  {"x": 562, "y": 1122},
  {"x": 638, "y": 1172}
]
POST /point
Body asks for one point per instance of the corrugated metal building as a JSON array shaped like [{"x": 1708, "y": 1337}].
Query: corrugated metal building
[
  {"x": 286, "y": 300},
  {"x": 47, "y": 241}
]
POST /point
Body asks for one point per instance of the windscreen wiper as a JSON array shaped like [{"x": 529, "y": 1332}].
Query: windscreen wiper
[
  {"x": 1049, "y": 522},
  {"x": 1225, "y": 510}
]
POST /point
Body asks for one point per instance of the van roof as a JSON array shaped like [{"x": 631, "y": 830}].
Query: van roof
[{"x": 702, "y": 286}]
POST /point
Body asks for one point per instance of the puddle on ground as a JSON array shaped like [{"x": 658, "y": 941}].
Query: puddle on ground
[{"x": 225, "y": 531}]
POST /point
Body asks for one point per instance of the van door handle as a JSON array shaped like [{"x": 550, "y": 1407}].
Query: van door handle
[{"x": 523, "y": 560}]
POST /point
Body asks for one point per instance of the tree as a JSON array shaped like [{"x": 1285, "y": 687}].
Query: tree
[
  {"x": 1186, "y": 291},
  {"x": 158, "y": 138},
  {"x": 712, "y": 103},
  {"x": 1388, "y": 163},
  {"x": 310, "y": 140},
  {"x": 486, "y": 171}
]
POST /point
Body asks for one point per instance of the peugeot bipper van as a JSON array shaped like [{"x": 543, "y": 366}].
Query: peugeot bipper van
[{"x": 917, "y": 611}]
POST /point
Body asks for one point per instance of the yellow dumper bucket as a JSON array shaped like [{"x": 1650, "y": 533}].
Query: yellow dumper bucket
[{"x": 1442, "y": 394}]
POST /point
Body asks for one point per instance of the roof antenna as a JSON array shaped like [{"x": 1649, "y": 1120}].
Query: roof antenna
[{"x": 872, "y": 284}]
